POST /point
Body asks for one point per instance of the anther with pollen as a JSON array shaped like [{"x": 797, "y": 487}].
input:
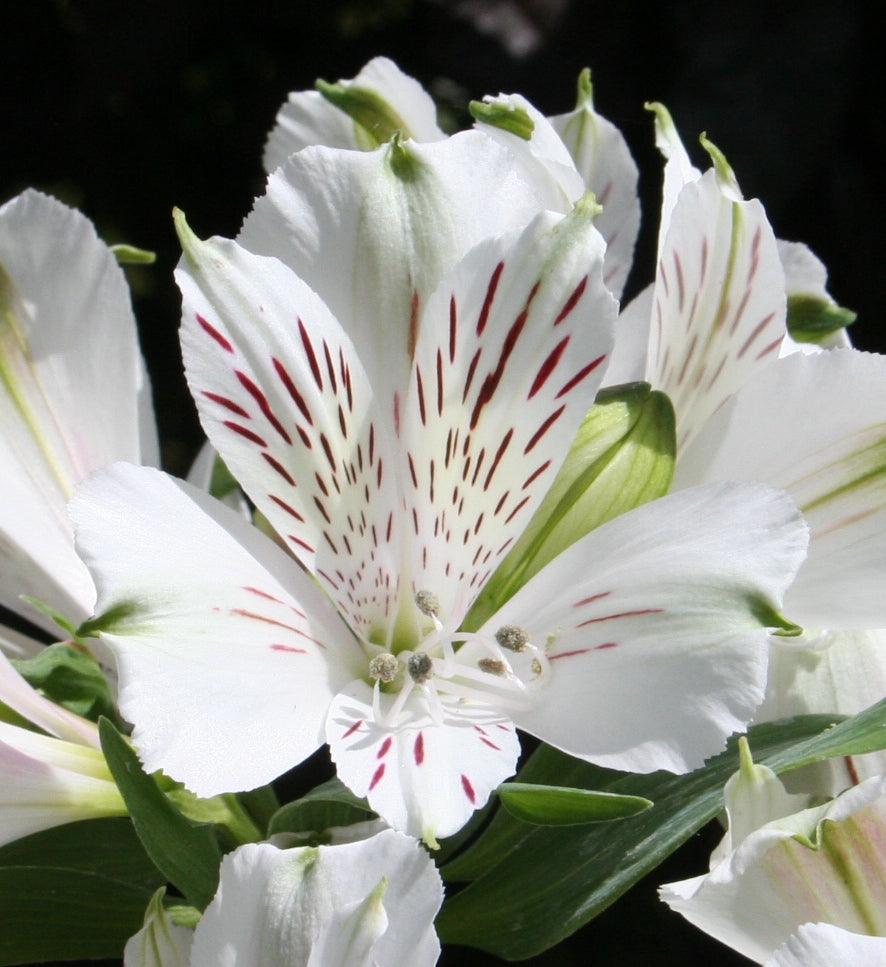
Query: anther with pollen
[
  {"x": 512, "y": 637},
  {"x": 492, "y": 666},
  {"x": 384, "y": 667},
  {"x": 428, "y": 603},
  {"x": 420, "y": 667}
]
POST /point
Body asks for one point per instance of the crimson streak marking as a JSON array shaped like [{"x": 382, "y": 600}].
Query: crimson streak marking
[
  {"x": 761, "y": 325},
  {"x": 529, "y": 480},
  {"x": 245, "y": 432},
  {"x": 453, "y": 326},
  {"x": 569, "y": 654},
  {"x": 580, "y": 375},
  {"x": 309, "y": 352},
  {"x": 490, "y": 295},
  {"x": 376, "y": 777},
  {"x": 297, "y": 398},
  {"x": 353, "y": 728},
  {"x": 591, "y": 599},
  {"x": 572, "y": 301},
  {"x": 498, "y": 455},
  {"x": 383, "y": 749},
  {"x": 228, "y": 404},
  {"x": 418, "y": 750},
  {"x": 547, "y": 367},
  {"x": 284, "y": 473},
  {"x": 543, "y": 429},
  {"x": 622, "y": 614},
  {"x": 243, "y": 613},
  {"x": 491, "y": 745},
  {"x": 216, "y": 335},
  {"x": 289, "y": 648},
  {"x": 468, "y": 788},
  {"x": 263, "y": 403}
]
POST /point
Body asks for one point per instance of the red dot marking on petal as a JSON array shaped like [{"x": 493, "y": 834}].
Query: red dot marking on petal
[
  {"x": 468, "y": 788},
  {"x": 216, "y": 335},
  {"x": 376, "y": 777},
  {"x": 353, "y": 728},
  {"x": 245, "y": 432},
  {"x": 227, "y": 404},
  {"x": 543, "y": 429},
  {"x": 535, "y": 475},
  {"x": 421, "y": 395},
  {"x": 289, "y": 510},
  {"x": 297, "y": 651},
  {"x": 453, "y": 327},
  {"x": 517, "y": 509},
  {"x": 622, "y": 614},
  {"x": 255, "y": 392},
  {"x": 547, "y": 367},
  {"x": 606, "y": 644},
  {"x": 309, "y": 352},
  {"x": 418, "y": 749},
  {"x": 279, "y": 468},
  {"x": 384, "y": 748},
  {"x": 301, "y": 543},
  {"x": 329, "y": 367},
  {"x": 490, "y": 743},
  {"x": 572, "y": 301},
  {"x": 498, "y": 455},
  {"x": 591, "y": 599},
  {"x": 580, "y": 375},
  {"x": 291, "y": 388}
]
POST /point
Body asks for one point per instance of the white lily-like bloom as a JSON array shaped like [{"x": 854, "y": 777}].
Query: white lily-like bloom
[
  {"x": 161, "y": 942},
  {"x": 47, "y": 780},
  {"x": 74, "y": 395},
  {"x": 398, "y": 456},
  {"x": 369, "y": 903},
  {"x": 710, "y": 333},
  {"x": 562, "y": 157},
  {"x": 823, "y": 945},
  {"x": 778, "y": 869}
]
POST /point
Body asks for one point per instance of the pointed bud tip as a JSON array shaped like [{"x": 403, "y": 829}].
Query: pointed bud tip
[
  {"x": 725, "y": 174},
  {"x": 186, "y": 237},
  {"x": 584, "y": 89},
  {"x": 745, "y": 759},
  {"x": 499, "y": 114}
]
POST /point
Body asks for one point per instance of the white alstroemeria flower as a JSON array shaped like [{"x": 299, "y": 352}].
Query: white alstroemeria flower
[
  {"x": 820, "y": 865},
  {"x": 384, "y": 97},
  {"x": 823, "y": 945},
  {"x": 399, "y": 480},
  {"x": 74, "y": 394},
  {"x": 370, "y": 903},
  {"x": 562, "y": 157},
  {"x": 161, "y": 942},
  {"x": 47, "y": 780}
]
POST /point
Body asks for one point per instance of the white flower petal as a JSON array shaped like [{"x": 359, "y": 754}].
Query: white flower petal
[
  {"x": 421, "y": 777},
  {"x": 275, "y": 907},
  {"x": 227, "y": 653},
  {"x": 604, "y": 161},
  {"x": 775, "y": 881},
  {"x": 719, "y": 305},
  {"x": 822, "y": 945},
  {"x": 74, "y": 394},
  {"x": 16, "y": 645},
  {"x": 373, "y": 233},
  {"x": 160, "y": 942},
  {"x": 511, "y": 351},
  {"x": 628, "y": 361},
  {"x": 840, "y": 671},
  {"x": 286, "y": 402},
  {"x": 201, "y": 476},
  {"x": 678, "y": 172},
  {"x": 814, "y": 426},
  {"x": 656, "y": 654}
]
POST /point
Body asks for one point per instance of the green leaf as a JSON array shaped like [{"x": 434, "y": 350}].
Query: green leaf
[
  {"x": 130, "y": 255},
  {"x": 511, "y": 911},
  {"x": 53, "y": 914},
  {"x": 187, "y": 854},
  {"x": 331, "y": 804},
  {"x": 812, "y": 319},
  {"x": 109, "y": 847},
  {"x": 72, "y": 678},
  {"x": 621, "y": 457},
  {"x": 561, "y": 806}
]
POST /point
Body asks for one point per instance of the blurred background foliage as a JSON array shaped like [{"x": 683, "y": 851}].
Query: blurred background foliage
[{"x": 126, "y": 109}]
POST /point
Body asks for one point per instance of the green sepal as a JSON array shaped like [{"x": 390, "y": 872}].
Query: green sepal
[
  {"x": 186, "y": 853},
  {"x": 69, "y": 676},
  {"x": 375, "y": 119},
  {"x": 225, "y": 811},
  {"x": 515, "y": 120},
  {"x": 725, "y": 174},
  {"x": 584, "y": 90},
  {"x": 67, "y": 626},
  {"x": 544, "y": 805},
  {"x": 812, "y": 319},
  {"x": 112, "y": 620},
  {"x": 327, "y": 805},
  {"x": 622, "y": 457},
  {"x": 510, "y": 910},
  {"x": 182, "y": 915},
  {"x": 130, "y": 255}
]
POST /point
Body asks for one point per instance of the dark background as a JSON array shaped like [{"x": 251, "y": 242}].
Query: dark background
[{"x": 126, "y": 109}]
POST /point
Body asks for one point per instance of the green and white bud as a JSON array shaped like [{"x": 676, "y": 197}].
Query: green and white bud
[{"x": 622, "y": 457}]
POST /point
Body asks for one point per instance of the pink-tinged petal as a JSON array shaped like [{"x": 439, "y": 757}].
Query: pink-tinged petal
[
  {"x": 228, "y": 654},
  {"x": 604, "y": 161},
  {"x": 307, "y": 118},
  {"x": 277, "y": 907},
  {"x": 286, "y": 402},
  {"x": 510, "y": 354},
  {"x": 823, "y": 945},
  {"x": 355, "y": 226},
  {"x": 820, "y": 865},
  {"x": 816, "y": 427},
  {"x": 650, "y": 627},
  {"x": 74, "y": 394},
  {"x": 423, "y": 778},
  {"x": 718, "y": 312}
]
